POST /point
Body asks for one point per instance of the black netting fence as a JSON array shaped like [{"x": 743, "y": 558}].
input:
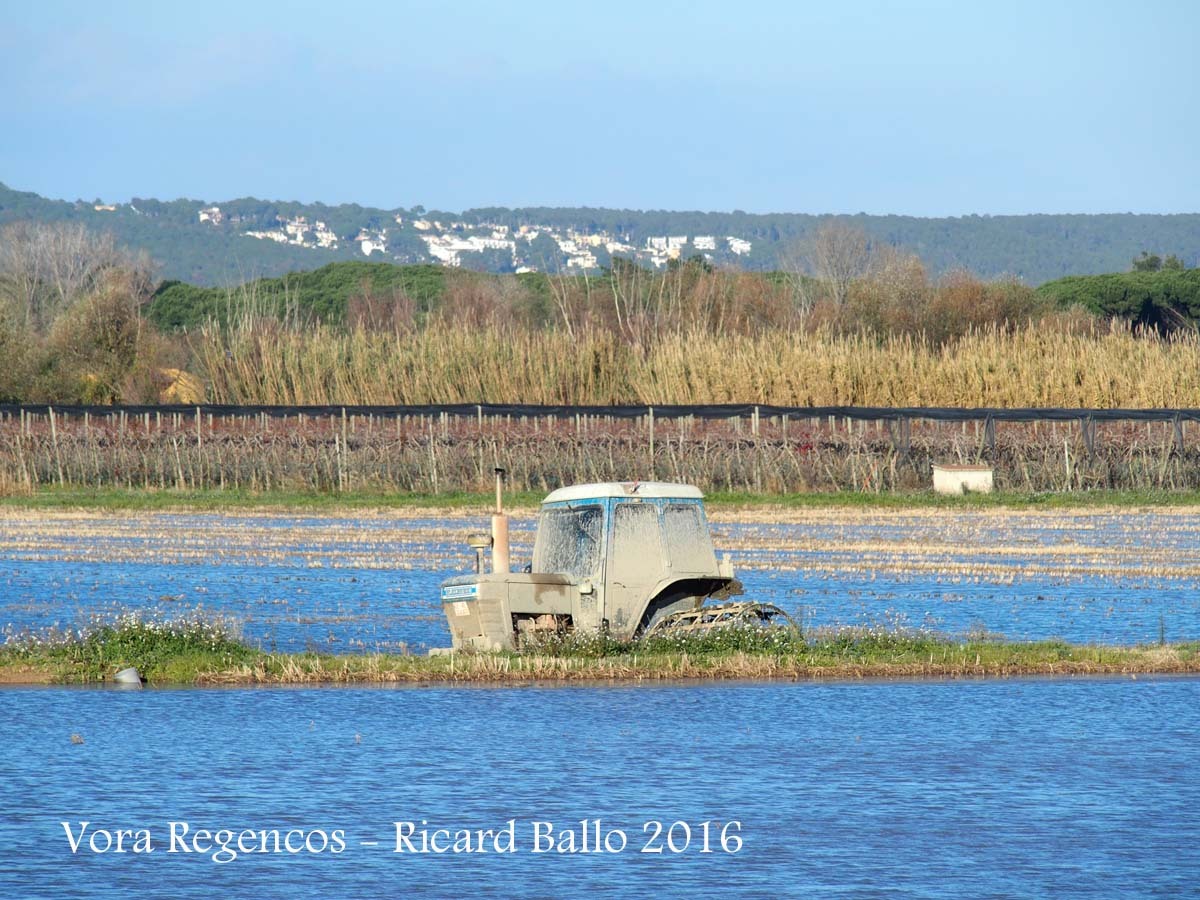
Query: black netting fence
[
  {"x": 664, "y": 411},
  {"x": 734, "y": 447}
]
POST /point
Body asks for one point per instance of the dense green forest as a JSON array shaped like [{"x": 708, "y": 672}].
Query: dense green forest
[
  {"x": 323, "y": 293},
  {"x": 171, "y": 235},
  {"x": 1164, "y": 299},
  {"x": 1034, "y": 249}
]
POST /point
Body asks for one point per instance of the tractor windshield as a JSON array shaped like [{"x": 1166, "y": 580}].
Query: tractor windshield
[
  {"x": 568, "y": 541},
  {"x": 689, "y": 545}
]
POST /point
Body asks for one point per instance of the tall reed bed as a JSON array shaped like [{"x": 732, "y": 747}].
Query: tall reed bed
[{"x": 259, "y": 360}]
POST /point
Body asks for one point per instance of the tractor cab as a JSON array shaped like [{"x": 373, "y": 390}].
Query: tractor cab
[{"x": 613, "y": 557}]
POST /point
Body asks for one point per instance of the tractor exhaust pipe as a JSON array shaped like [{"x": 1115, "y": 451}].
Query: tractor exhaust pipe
[{"x": 500, "y": 561}]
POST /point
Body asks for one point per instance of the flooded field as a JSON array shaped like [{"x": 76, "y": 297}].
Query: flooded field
[
  {"x": 369, "y": 581},
  {"x": 891, "y": 788}
]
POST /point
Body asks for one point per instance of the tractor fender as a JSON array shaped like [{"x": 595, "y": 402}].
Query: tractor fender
[{"x": 675, "y": 594}]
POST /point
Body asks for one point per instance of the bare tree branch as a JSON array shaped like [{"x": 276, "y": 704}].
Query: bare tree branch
[{"x": 837, "y": 254}]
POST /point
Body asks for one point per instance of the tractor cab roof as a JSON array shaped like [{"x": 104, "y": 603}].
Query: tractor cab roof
[{"x": 659, "y": 489}]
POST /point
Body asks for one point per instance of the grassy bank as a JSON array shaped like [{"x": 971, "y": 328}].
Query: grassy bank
[
  {"x": 204, "y": 653},
  {"x": 114, "y": 499}
]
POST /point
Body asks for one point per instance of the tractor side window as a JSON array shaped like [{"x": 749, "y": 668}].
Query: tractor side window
[
  {"x": 637, "y": 552},
  {"x": 689, "y": 544},
  {"x": 568, "y": 541}
]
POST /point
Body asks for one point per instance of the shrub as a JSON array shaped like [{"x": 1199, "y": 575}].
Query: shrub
[{"x": 102, "y": 645}]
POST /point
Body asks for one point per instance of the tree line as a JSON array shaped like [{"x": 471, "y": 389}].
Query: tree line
[{"x": 1033, "y": 248}]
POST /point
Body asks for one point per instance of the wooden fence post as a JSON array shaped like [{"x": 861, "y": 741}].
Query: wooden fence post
[{"x": 54, "y": 439}]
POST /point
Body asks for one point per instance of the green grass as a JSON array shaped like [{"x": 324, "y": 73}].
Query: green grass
[
  {"x": 51, "y": 497},
  {"x": 201, "y": 651},
  {"x": 167, "y": 650}
]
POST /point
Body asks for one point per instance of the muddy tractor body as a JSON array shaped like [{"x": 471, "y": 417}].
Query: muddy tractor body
[{"x": 614, "y": 557}]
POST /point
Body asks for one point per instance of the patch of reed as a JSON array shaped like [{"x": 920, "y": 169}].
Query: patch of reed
[{"x": 260, "y": 360}]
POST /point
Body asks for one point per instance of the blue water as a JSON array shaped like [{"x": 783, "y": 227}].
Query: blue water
[
  {"x": 331, "y": 583},
  {"x": 1015, "y": 788}
]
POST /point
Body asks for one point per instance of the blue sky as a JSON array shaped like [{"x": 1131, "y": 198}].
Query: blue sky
[{"x": 923, "y": 108}]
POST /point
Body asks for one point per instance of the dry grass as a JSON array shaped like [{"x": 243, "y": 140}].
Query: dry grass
[
  {"x": 262, "y": 361},
  {"x": 260, "y": 358}
]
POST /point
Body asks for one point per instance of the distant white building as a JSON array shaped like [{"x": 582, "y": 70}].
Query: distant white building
[
  {"x": 494, "y": 243},
  {"x": 325, "y": 236},
  {"x": 295, "y": 228},
  {"x": 448, "y": 240},
  {"x": 582, "y": 261},
  {"x": 442, "y": 253},
  {"x": 274, "y": 234},
  {"x": 212, "y": 214}
]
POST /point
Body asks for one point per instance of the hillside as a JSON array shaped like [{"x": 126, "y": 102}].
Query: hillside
[{"x": 229, "y": 242}]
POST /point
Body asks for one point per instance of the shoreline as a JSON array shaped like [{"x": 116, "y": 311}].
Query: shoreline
[{"x": 879, "y": 658}]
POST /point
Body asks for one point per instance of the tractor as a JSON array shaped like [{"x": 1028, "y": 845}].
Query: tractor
[{"x": 619, "y": 558}]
